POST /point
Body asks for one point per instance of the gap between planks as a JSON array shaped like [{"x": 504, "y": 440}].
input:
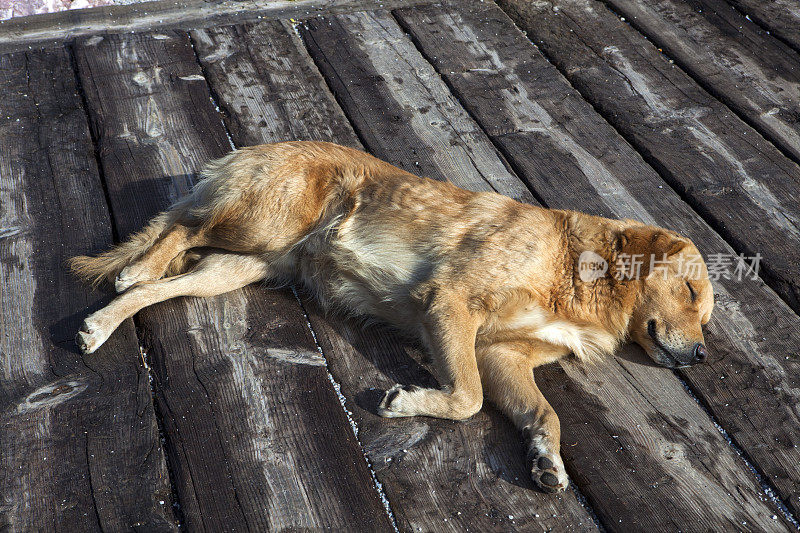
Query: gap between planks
[
  {"x": 215, "y": 100},
  {"x": 174, "y": 501},
  {"x": 337, "y": 387},
  {"x": 779, "y": 18}
]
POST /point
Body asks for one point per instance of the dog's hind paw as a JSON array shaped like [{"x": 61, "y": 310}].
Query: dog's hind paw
[
  {"x": 394, "y": 402},
  {"x": 547, "y": 470},
  {"x": 127, "y": 277},
  {"x": 90, "y": 337}
]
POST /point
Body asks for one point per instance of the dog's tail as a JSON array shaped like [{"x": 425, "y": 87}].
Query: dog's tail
[
  {"x": 198, "y": 207},
  {"x": 106, "y": 266}
]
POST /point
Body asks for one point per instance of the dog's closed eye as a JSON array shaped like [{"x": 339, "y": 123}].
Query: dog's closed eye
[{"x": 692, "y": 294}]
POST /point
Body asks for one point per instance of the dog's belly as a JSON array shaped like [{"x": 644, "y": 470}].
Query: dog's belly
[{"x": 369, "y": 271}]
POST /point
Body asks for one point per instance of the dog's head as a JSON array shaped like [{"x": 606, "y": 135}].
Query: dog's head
[{"x": 674, "y": 299}]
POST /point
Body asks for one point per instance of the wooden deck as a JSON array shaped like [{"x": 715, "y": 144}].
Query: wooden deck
[{"x": 253, "y": 411}]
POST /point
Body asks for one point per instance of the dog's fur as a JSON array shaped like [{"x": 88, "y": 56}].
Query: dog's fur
[{"x": 489, "y": 284}]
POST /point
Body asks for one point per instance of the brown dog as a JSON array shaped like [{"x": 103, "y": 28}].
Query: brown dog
[{"x": 493, "y": 287}]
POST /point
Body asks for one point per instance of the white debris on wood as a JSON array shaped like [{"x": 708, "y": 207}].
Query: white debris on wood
[
  {"x": 343, "y": 401},
  {"x": 766, "y": 488}
]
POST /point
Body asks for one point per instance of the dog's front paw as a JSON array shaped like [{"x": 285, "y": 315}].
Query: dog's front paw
[
  {"x": 91, "y": 336},
  {"x": 547, "y": 470},
  {"x": 396, "y": 402}
]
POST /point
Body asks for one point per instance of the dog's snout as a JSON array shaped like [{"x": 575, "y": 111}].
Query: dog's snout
[{"x": 700, "y": 353}]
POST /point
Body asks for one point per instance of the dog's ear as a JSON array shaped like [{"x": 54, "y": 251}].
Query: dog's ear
[{"x": 646, "y": 242}]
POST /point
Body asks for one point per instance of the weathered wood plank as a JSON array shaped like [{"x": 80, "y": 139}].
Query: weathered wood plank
[
  {"x": 755, "y": 74},
  {"x": 268, "y": 88},
  {"x": 376, "y": 72},
  {"x": 744, "y": 187},
  {"x": 433, "y": 471},
  {"x": 779, "y": 17},
  {"x": 51, "y": 29},
  {"x": 573, "y": 159},
  {"x": 255, "y": 433},
  {"x": 79, "y": 444}
]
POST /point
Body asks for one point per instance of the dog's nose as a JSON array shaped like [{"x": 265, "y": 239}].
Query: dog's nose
[{"x": 700, "y": 353}]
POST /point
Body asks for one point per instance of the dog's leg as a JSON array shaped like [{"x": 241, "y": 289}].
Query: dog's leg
[
  {"x": 507, "y": 377},
  {"x": 215, "y": 274},
  {"x": 152, "y": 265},
  {"x": 451, "y": 331}
]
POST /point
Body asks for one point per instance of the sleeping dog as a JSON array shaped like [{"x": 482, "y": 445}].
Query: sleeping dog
[{"x": 493, "y": 287}]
